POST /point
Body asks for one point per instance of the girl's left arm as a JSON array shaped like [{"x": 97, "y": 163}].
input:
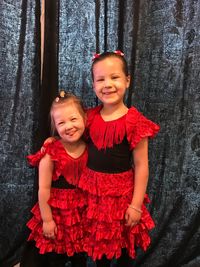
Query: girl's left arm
[{"x": 141, "y": 167}]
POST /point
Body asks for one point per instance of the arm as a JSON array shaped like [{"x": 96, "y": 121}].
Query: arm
[
  {"x": 140, "y": 157},
  {"x": 45, "y": 178}
]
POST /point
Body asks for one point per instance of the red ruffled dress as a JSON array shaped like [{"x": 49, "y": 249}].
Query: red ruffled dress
[
  {"x": 67, "y": 202},
  {"x": 108, "y": 180}
]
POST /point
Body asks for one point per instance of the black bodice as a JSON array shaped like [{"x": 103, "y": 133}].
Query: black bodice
[
  {"x": 110, "y": 160},
  {"x": 62, "y": 183}
]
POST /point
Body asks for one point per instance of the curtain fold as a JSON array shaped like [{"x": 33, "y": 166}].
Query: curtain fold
[
  {"x": 161, "y": 42},
  {"x": 19, "y": 93},
  {"x": 49, "y": 83}
]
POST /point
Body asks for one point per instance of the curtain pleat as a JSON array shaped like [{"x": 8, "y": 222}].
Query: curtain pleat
[
  {"x": 19, "y": 94},
  {"x": 49, "y": 87}
]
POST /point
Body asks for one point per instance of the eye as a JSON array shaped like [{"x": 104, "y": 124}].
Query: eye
[
  {"x": 115, "y": 77},
  {"x": 60, "y": 123},
  {"x": 99, "y": 80},
  {"x": 74, "y": 119}
]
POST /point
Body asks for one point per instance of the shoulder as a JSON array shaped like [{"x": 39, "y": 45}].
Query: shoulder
[
  {"x": 34, "y": 159},
  {"x": 135, "y": 117},
  {"x": 138, "y": 126},
  {"x": 133, "y": 114},
  {"x": 91, "y": 113}
]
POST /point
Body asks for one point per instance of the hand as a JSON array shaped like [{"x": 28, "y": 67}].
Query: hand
[
  {"x": 50, "y": 139},
  {"x": 49, "y": 229},
  {"x": 47, "y": 141},
  {"x": 132, "y": 217}
]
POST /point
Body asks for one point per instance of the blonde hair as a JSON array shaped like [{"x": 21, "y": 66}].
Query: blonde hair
[{"x": 65, "y": 98}]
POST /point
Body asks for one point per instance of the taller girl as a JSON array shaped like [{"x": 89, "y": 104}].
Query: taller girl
[{"x": 117, "y": 172}]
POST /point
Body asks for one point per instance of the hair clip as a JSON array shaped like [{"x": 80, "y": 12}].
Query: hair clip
[
  {"x": 61, "y": 95},
  {"x": 118, "y": 52},
  {"x": 95, "y": 56}
]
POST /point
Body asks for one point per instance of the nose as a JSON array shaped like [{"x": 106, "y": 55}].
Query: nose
[
  {"x": 107, "y": 83},
  {"x": 68, "y": 126}
]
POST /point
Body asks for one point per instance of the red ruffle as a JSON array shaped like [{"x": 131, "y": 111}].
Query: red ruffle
[
  {"x": 106, "y": 230},
  {"x": 133, "y": 124},
  {"x": 108, "y": 197},
  {"x": 65, "y": 165},
  {"x": 103, "y": 184},
  {"x": 67, "y": 208},
  {"x": 138, "y": 127},
  {"x": 34, "y": 159}
]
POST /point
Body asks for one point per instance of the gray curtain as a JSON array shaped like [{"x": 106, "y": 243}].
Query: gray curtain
[
  {"x": 19, "y": 94},
  {"x": 161, "y": 42}
]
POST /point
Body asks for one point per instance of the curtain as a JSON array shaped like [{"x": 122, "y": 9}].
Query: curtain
[
  {"x": 19, "y": 94},
  {"x": 161, "y": 42}
]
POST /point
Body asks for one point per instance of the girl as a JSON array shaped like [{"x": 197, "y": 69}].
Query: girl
[
  {"x": 56, "y": 225},
  {"x": 116, "y": 175}
]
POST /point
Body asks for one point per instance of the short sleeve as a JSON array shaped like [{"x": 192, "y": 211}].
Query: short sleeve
[
  {"x": 139, "y": 127},
  {"x": 34, "y": 159}
]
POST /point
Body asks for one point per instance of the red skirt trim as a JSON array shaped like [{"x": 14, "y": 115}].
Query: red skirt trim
[
  {"x": 104, "y": 222},
  {"x": 67, "y": 208},
  {"x": 103, "y": 184}
]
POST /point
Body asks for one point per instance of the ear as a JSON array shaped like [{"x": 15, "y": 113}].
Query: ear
[
  {"x": 128, "y": 80},
  {"x": 85, "y": 118},
  {"x": 93, "y": 86}
]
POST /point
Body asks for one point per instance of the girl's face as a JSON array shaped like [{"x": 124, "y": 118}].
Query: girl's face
[
  {"x": 110, "y": 82},
  {"x": 69, "y": 123}
]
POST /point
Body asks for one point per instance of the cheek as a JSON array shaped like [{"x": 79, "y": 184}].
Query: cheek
[
  {"x": 96, "y": 88},
  {"x": 60, "y": 129}
]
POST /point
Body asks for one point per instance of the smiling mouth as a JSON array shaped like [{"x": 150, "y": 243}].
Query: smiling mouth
[
  {"x": 108, "y": 93},
  {"x": 70, "y": 133}
]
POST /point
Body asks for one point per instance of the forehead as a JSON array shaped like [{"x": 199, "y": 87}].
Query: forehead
[
  {"x": 110, "y": 63},
  {"x": 65, "y": 110}
]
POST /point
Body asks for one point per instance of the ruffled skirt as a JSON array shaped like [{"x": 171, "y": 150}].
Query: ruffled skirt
[
  {"x": 104, "y": 224},
  {"x": 67, "y": 206}
]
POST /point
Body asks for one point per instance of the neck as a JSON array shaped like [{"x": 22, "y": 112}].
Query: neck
[
  {"x": 113, "y": 111},
  {"x": 74, "y": 149}
]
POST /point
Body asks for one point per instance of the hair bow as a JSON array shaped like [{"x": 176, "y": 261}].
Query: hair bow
[
  {"x": 61, "y": 95},
  {"x": 95, "y": 56},
  {"x": 118, "y": 52}
]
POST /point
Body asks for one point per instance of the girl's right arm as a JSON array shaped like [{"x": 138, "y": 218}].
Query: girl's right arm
[{"x": 45, "y": 179}]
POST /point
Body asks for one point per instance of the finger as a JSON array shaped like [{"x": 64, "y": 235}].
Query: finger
[
  {"x": 129, "y": 222},
  {"x": 49, "y": 235},
  {"x": 56, "y": 230},
  {"x": 126, "y": 216},
  {"x": 134, "y": 224}
]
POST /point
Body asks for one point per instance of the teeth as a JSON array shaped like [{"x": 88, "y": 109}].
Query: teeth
[
  {"x": 70, "y": 134},
  {"x": 108, "y": 93}
]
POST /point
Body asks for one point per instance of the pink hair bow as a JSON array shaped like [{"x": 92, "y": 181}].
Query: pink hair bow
[
  {"x": 95, "y": 56},
  {"x": 118, "y": 52}
]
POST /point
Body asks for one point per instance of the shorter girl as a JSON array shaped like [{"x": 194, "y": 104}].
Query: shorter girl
[{"x": 56, "y": 225}]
